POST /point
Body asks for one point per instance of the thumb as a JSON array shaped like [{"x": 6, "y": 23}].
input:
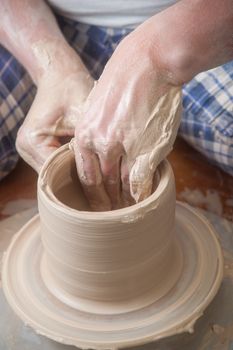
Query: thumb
[
  {"x": 143, "y": 170},
  {"x": 141, "y": 178}
]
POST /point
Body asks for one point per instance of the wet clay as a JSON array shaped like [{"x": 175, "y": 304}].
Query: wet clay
[
  {"x": 124, "y": 256},
  {"x": 72, "y": 196},
  {"x": 139, "y": 273},
  {"x": 71, "y": 193}
]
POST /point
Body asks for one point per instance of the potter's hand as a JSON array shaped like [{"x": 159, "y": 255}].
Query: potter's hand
[
  {"x": 130, "y": 122},
  {"x": 129, "y": 125},
  {"x": 53, "y": 114},
  {"x": 29, "y": 30}
]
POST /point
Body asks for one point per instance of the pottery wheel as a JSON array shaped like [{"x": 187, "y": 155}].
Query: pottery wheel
[{"x": 175, "y": 312}]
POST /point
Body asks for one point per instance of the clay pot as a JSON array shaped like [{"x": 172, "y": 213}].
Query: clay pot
[
  {"x": 110, "y": 280},
  {"x": 124, "y": 257}
]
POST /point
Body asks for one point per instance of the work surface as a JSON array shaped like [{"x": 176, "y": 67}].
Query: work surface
[{"x": 197, "y": 182}]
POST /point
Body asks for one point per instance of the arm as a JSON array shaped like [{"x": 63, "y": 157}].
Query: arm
[
  {"x": 191, "y": 36},
  {"x": 29, "y": 30},
  {"x": 133, "y": 113}
]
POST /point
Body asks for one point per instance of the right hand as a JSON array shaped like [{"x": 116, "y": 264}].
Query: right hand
[{"x": 128, "y": 127}]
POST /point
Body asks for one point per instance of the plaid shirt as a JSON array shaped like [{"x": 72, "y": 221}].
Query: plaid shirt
[{"x": 207, "y": 121}]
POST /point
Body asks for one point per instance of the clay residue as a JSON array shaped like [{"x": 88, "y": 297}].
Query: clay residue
[
  {"x": 42, "y": 53},
  {"x": 153, "y": 143},
  {"x": 211, "y": 200},
  {"x": 18, "y": 205},
  {"x": 224, "y": 335}
]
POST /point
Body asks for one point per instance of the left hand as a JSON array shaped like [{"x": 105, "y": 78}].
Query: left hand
[
  {"x": 60, "y": 97},
  {"x": 129, "y": 125}
]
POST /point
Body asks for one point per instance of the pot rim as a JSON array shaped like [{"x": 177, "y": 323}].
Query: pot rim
[{"x": 130, "y": 213}]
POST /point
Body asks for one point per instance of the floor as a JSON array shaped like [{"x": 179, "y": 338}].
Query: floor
[{"x": 197, "y": 182}]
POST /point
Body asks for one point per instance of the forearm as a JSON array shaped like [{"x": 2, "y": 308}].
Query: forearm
[
  {"x": 191, "y": 36},
  {"x": 28, "y": 29}
]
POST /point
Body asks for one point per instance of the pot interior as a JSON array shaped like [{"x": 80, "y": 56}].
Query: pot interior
[{"x": 66, "y": 187}]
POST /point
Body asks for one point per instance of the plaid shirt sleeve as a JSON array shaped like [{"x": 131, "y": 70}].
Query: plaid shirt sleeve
[{"x": 207, "y": 122}]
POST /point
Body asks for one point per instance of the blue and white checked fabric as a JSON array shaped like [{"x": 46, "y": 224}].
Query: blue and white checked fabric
[
  {"x": 16, "y": 95},
  {"x": 207, "y": 121}
]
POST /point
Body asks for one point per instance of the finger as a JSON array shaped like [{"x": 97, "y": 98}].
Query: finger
[
  {"x": 141, "y": 178},
  {"x": 125, "y": 185},
  {"x": 91, "y": 179},
  {"x": 35, "y": 148},
  {"x": 111, "y": 178},
  {"x": 44, "y": 149},
  {"x": 64, "y": 126},
  {"x": 61, "y": 127}
]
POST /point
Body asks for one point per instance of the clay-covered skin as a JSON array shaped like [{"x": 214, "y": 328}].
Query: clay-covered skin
[
  {"x": 29, "y": 30},
  {"x": 116, "y": 160},
  {"x": 124, "y": 132}
]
